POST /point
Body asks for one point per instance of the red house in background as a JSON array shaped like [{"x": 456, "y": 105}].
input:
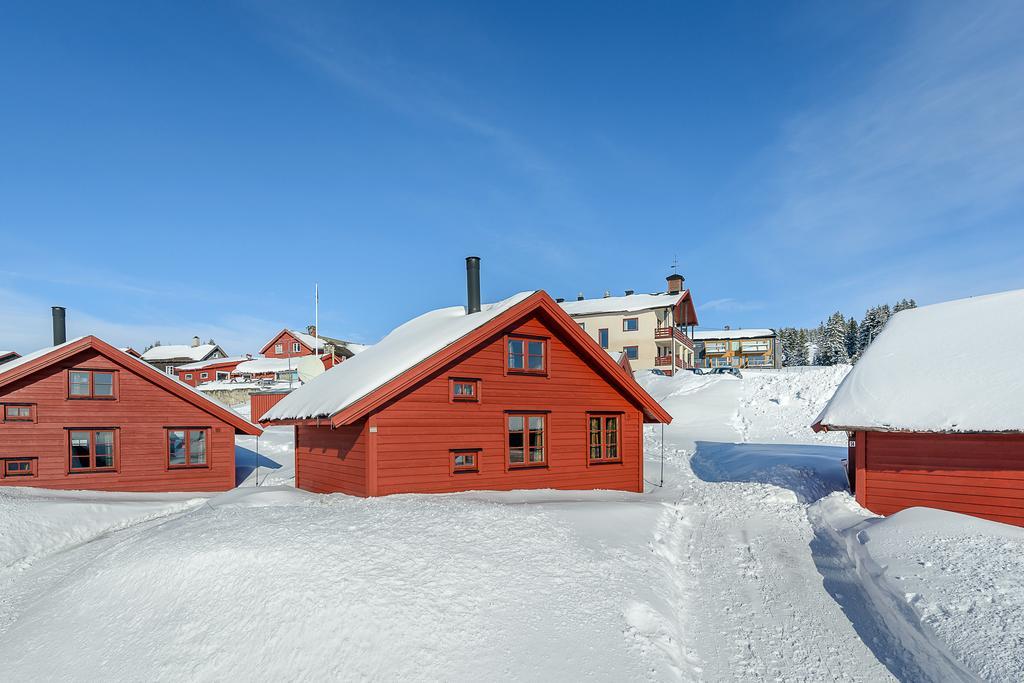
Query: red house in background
[
  {"x": 85, "y": 415},
  {"x": 940, "y": 430},
  {"x": 194, "y": 374},
  {"x": 294, "y": 344},
  {"x": 512, "y": 395}
]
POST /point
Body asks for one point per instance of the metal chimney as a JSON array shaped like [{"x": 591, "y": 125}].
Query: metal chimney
[
  {"x": 60, "y": 330},
  {"x": 472, "y": 284}
]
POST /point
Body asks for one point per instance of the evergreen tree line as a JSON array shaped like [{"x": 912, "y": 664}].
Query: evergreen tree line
[{"x": 838, "y": 339}]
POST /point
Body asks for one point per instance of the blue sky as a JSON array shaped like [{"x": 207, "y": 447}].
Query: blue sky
[{"x": 170, "y": 169}]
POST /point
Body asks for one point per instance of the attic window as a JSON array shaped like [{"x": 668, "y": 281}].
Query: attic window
[
  {"x": 90, "y": 384},
  {"x": 19, "y": 413},
  {"x": 527, "y": 356},
  {"x": 296, "y": 348},
  {"x": 278, "y": 348},
  {"x": 465, "y": 390}
]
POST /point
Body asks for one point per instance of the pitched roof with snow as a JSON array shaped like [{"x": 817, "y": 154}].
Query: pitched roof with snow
[
  {"x": 911, "y": 380},
  {"x": 423, "y": 345},
  {"x": 43, "y": 357},
  {"x": 630, "y": 303},
  {"x": 260, "y": 365},
  {"x": 212, "y": 361},
  {"x": 403, "y": 348},
  {"x": 752, "y": 333},
  {"x": 179, "y": 351}
]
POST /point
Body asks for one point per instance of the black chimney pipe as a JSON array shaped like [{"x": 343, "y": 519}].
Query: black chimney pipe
[
  {"x": 472, "y": 284},
  {"x": 60, "y": 331}
]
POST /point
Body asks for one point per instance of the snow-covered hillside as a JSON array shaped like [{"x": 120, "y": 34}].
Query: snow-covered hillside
[{"x": 751, "y": 561}]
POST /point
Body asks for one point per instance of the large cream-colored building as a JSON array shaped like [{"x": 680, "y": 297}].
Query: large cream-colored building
[
  {"x": 653, "y": 330},
  {"x": 753, "y": 348}
]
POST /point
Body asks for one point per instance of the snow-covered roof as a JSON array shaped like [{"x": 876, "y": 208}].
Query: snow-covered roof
[
  {"x": 212, "y": 361},
  {"x": 919, "y": 376},
  {"x": 29, "y": 357},
  {"x": 176, "y": 351},
  {"x": 308, "y": 339},
  {"x": 356, "y": 348},
  {"x": 403, "y": 348},
  {"x": 751, "y": 333},
  {"x": 629, "y": 303},
  {"x": 260, "y": 365}
]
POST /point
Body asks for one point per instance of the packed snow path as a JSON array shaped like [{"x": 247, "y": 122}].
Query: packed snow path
[{"x": 751, "y": 569}]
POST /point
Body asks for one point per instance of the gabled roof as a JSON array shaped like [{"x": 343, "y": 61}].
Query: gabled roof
[
  {"x": 426, "y": 344},
  {"x": 180, "y": 352},
  {"x": 635, "y": 303},
  {"x": 342, "y": 347},
  {"x": 31, "y": 363},
  {"x": 752, "y": 333},
  {"x": 915, "y": 377}
]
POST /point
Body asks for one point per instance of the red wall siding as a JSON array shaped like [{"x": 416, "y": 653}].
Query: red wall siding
[
  {"x": 141, "y": 413},
  {"x": 331, "y": 460},
  {"x": 414, "y": 434},
  {"x": 975, "y": 474},
  {"x": 286, "y": 340},
  {"x": 261, "y": 403},
  {"x": 211, "y": 371}
]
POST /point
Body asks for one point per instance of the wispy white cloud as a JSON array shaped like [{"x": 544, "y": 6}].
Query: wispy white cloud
[
  {"x": 932, "y": 146},
  {"x": 730, "y": 305},
  {"x": 25, "y": 325}
]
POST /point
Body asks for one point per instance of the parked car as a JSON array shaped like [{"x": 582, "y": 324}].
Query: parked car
[
  {"x": 657, "y": 371},
  {"x": 735, "y": 372},
  {"x": 699, "y": 371}
]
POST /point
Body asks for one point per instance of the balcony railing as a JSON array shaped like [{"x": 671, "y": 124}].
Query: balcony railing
[
  {"x": 673, "y": 333},
  {"x": 667, "y": 360}
]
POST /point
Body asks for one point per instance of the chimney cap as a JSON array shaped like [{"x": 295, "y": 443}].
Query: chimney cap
[
  {"x": 675, "y": 276},
  {"x": 579, "y": 297},
  {"x": 195, "y": 341},
  {"x": 559, "y": 300},
  {"x": 630, "y": 292}
]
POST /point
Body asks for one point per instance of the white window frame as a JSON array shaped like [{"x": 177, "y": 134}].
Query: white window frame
[
  {"x": 296, "y": 347},
  {"x": 278, "y": 348}
]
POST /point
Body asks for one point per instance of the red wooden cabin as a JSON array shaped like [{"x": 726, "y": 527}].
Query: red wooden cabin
[
  {"x": 85, "y": 415},
  {"x": 513, "y": 396},
  {"x": 194, "y": 374},
  {"x": 941, "y": 430}
]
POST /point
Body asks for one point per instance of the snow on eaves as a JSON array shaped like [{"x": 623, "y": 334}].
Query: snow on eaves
[
  {"x": 176, "y": 351},
  {"x": 212, "y": 361},
  {"x": 403, "y": 348},
  {"x": 921, "y": 374},
  {"x": 622, "y": 304},
  {"x": 752, "y": 333},
  {"x": 29, "y": 357},
  {"x": 260, "y": 365}
]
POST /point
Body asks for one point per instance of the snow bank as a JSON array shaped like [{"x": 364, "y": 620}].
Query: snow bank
[
  {"x": 951, "y": 580},
  {"x": 38, "y": 522},
  {"x": 396, "y": 588},
  {"x": 403, "y": 348},
  {"x": 898, "y": 385}
]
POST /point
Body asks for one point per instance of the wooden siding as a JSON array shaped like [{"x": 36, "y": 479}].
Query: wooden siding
[
  {"x": 211, "y": 371},
  {"x": 260, "y": 403},
  {"x": 140, "y": 415},
  {"x": 286, "y": 340},
  {"x": 331, "y": 460},
  {"x": 410, "y": 439},
  {"x": 974, "y": 474}
]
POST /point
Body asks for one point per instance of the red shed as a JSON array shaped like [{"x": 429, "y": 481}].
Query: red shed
[
  {"x": 85, "y": 415},
  {"x": 941, "y": 428},
  {"x": 511, "y": 396}
]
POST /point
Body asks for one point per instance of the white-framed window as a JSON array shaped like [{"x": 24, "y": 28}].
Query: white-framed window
[
  {"x": 170, "y": 370},
  {"x": 755, "y": 346},
  {"x": 296, "y": 347},
  {"x": 188, "y": 375},
  {"x": 714, "y": 347},
  {"x": 278, "y": 348},
  {"x": 221, "y": 375},
  {"x": 204, "y": 375}
]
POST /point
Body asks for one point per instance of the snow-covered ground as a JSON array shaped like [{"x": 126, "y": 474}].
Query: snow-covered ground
[
  {"x": 751, "y": 562},
  {"x": 268, "y": 460}
]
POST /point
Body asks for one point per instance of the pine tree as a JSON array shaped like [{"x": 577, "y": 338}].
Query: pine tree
[
  {"x": 832, "y": 345},
  {"x": 904, "y": 304},
  {"x": 152, "y": 346},
  {"x": 792, "y": 353},
  {"x": 852, "y": 339},
  {"x": 803, "y": 342}
]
